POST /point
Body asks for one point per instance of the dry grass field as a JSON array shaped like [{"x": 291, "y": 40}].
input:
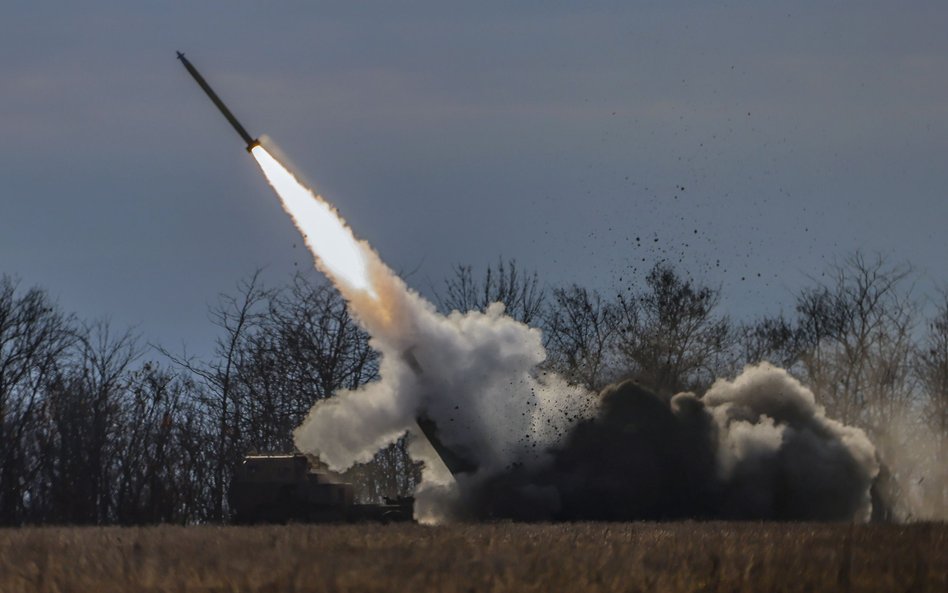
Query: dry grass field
[{"x": 486, "y": 557}]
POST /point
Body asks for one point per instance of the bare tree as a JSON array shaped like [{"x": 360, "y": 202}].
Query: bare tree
[
  {"x": 670, "y": 337},
  {"x": 306, "y": 347},
  {"x": 933, "y": 373},
  {"x": 858, "y": 332},
  {"x": 82, "y": 411},
  {"x": 933, "y": 369},
  {"x": 777, "y": 340},
  {"x": 34, "y": 336},
  {"x": 506, "y": 283},
  {"x": 238, "y": 317},
  {"x": 164, "y": 451},
  {"x": 580, "y": 333}
]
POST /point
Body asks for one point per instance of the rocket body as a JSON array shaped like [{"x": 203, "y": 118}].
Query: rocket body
[{"x": 251, "y": 142}]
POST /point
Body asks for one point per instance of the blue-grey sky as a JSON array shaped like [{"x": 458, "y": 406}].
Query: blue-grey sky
[{"x": 556, "y": 133}]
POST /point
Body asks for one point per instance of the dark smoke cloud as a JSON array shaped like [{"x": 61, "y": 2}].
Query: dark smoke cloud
[{"x": 758, "y": 447}]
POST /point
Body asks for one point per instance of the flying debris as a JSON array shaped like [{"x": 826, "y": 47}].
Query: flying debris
[
  {"x": 499, "y": 440},
  {"x": 251, "y": 142}
]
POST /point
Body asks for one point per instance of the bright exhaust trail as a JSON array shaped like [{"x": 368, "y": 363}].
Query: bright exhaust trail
[{"x": 340, "y": 254}]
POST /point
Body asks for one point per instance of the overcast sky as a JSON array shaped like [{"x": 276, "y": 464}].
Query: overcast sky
[{"x": 753, "y": 141}]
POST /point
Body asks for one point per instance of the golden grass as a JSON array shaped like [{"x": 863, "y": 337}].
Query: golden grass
[{"x": 486, "y": 557}]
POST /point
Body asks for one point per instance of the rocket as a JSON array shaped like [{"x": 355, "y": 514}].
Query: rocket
[{"x": 251, "y": 142}]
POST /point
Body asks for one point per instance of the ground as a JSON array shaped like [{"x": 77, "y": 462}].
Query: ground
[{"x": 670, "y": 557}]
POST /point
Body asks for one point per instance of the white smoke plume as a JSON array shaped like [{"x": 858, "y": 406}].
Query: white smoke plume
[
  {"x": 777, "y": 447},
  {"x": 475, "y": 374}
]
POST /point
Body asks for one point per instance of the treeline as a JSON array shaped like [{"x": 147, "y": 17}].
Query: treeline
[{"x": 96, "y": 427}]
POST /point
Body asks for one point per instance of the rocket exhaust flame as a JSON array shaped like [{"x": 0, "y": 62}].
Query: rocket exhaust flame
[{"x": 340, "y": 254}]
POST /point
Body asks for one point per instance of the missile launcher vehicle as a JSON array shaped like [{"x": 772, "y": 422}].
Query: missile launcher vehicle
[{"x": 291, "y": 487}]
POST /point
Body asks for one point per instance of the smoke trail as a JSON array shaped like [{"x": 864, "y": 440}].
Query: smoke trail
[
  {"x": 475, "y": 374},
  {"x": 756, "y": 447}
]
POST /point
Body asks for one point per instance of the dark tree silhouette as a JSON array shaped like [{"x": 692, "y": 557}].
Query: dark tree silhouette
[
  {"x": 520, "y": 292},
  {"x": 670, "y": 338},
  {"x": 34, "y": 336},
  {"x": 933, "y": 373},
  {"x": 237, "y": 317},
  {"x": 580, "y": 336}
]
